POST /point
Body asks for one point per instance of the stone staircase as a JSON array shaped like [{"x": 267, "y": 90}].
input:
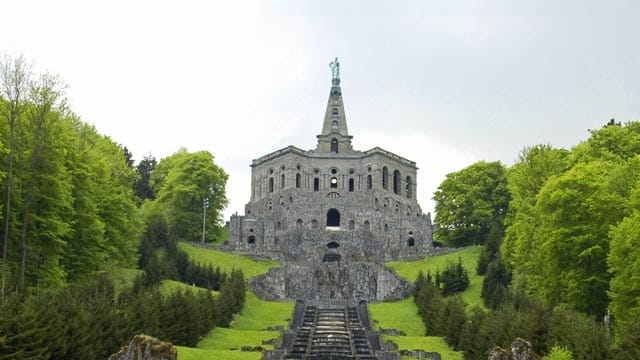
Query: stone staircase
[{"x": 330, "y": 332}]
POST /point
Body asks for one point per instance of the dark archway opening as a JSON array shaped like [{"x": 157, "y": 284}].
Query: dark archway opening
[
  {"x": 411, "y": 242},
  {"x": 331, "y": 257},
  {"x": 333, "y": 245},
  {"x": 334, "y": 146},
  {"x": 251, "y": 240},
  {"x": 333, "y": 217}
]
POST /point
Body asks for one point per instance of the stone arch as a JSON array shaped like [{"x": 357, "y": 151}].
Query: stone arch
[
  {"x": 298, "y": 180},
  {"x": 351, "y": 184},
  {"x": 334, "y": 145},
  {"x": 352, "y": 224},
  {"x": 334, "y": 111},
  {"x": 333, "y": 217},
  {"x": 397, "y": 179},
  {"x": 299, "y": 223},
  {"x": 369, "y": 182},
  {"x": 270, "y": 184},
  {"x": 314, "y": 224},
  {"x": 316, "y": 184},
  {"x": 409, "y": 187},
  {"x": 366, "y": 225},
  {"x": 282, "y": 180},
  {"x": 411, "y": 242},
  {"x": 385, "y": 178}
]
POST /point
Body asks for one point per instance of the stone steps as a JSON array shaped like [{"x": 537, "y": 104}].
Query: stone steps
[{"x": 330, "y": 332}]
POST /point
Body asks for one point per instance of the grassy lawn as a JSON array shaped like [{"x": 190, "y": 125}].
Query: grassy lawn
[
  {"x": 248, "y": 327},
  {"x": 186, "y": 353},
  {"x": 232, "y": 339},
  {"x": 259, "y": 314},
  {"x": 399, "y": 315},
  {"x": 227, "y": 262},
  {"x": 430, "y": 343},
  {"x": 410, "y": 269}
]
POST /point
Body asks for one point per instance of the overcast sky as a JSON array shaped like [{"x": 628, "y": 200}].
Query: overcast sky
[{"x": 444, "y": 85}]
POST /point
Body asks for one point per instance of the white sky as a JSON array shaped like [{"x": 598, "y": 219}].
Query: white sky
[{"x": 444, "y": 85}]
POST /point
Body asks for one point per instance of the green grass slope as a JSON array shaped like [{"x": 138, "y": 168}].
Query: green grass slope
[
  {"x": 227, "y": 262},
  {"x": 469, "y": 256},
  {"x": 168, "y": 287},
  {"x": 248, "y": 327},
  {"x": 403, "y": 315}
]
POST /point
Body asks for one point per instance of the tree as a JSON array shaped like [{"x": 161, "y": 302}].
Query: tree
[
  {"x": 575, "y": 213},
  {"x": 535, "y": 166},
  {"x": 469, "y": 202},
  {"x": 14, "y": 74},
  {"x": 182, "y": 181},
  {"x": 142, "y": 186},
  {"x": 624, "y": 266},
  {"x": 45, "y": 100}
]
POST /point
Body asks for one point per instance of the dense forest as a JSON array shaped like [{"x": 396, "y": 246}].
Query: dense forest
[
  {"x": 561, "y": 230},
  {"x": 75, "y": 210}
]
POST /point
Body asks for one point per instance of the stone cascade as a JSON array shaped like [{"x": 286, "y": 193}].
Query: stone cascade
[{"x": 328, "y": 331}]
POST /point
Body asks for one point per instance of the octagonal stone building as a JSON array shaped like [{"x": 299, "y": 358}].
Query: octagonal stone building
[{"x": 332, "y": 206}]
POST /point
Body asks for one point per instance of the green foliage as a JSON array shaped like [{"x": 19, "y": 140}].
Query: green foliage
[
  {"x": 72, "y": 210},
  {"x": 624, "y": 265},
  {"x": 559, "y": 353},
  {"x": 469, "y": 202},
  {"x": 433, "y": 264},
  {"x": 495, "y": 284},
  {"x": 453, "y": 279},
  {"x": 142, "y": 185},
  {"x": 525, "y": 179},
  {"x": 182, "y": 181},
  {"x": 559, "y": 239}
]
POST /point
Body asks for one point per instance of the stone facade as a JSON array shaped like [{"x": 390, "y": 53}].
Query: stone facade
[{"x": 338, "y": 211}]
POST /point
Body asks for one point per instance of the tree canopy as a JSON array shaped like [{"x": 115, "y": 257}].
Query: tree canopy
[{"x": 469, "y": 201}]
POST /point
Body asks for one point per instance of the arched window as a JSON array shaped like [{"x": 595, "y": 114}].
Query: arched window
[
  {"x": 335, "y": 111},
  {"x": 299, "y": 223},
  {"x": 316, "y": 184},
  {"x": 366, "y": 225},
  {"x": 352, "y": 225},
  {"x": 314, "y": 224},
  {"x": 333, "y": 218},
  {"x": 386, "y": 227},
  {"x": 411, "y": 242},
  {"x": 369, "y": 182},
  {"x": 351, "y": 185},
  {"x": 408, "y": 187},
  {"x": 278, "y": 225},
  {"x": 270, "y": 185},
  {"x": 396, "y": 182},
  {"x": 334, "y": 125},
  {"x": 282, "y": 182},
  {"x": 334, "y": 145},
  {"x": 334, "y": 182},
  {"x": 385, "y": 178},
  {"x": 251, "y": 240},
  {"x": 298, "y": 181}
]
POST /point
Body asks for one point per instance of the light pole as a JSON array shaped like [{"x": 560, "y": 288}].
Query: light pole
[{"x": 205, "y": 205}]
